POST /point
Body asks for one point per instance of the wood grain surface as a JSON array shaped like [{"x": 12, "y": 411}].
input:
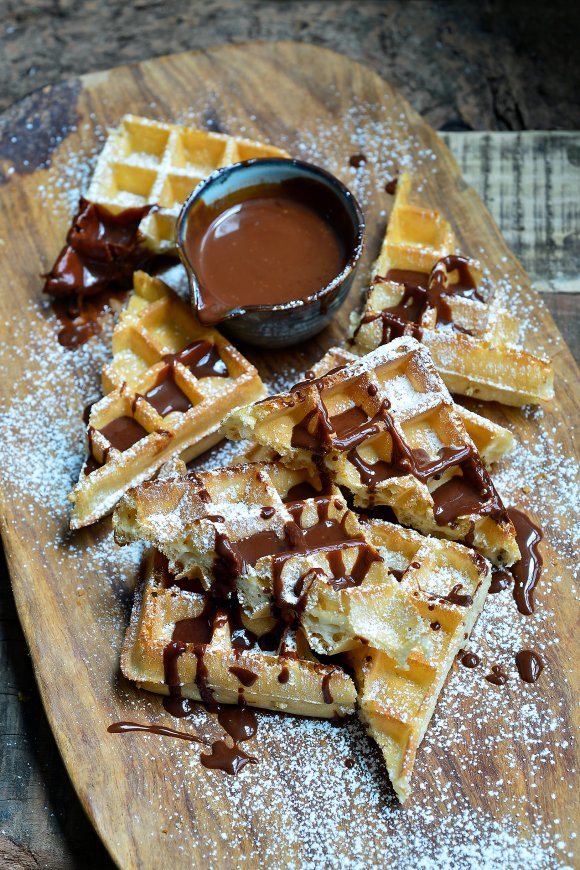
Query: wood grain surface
[
  {"x": 73, "y": 593},
  {"x": 490, "y": 65}
]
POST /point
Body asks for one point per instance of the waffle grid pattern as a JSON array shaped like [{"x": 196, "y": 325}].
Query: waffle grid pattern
[
  {"x": 423, "y": 417},
  {"x": 478, "y": 359},
  {"x": 146, "y": 162},
  {"x": 154, "y": 324}
]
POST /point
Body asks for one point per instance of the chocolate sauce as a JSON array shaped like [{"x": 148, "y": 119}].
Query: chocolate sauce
[
  {"x": 102, "y": 252},
  {"x": 201, "y": 358},
  {"x": 314, "y": 430},
  {"x": 92, "y": 464},
  {"x": 498, "y": 677},
  {"x": 244, "y": 675},
  {"x": 123, "y": 432},
  {"x": 423, "y": 292},
  {"x": 461, "y": 599},
  {"x": 326, "y": 693},
  {"x": 435, "y": 626},
  {"x": 471, "y": 493},
  {"x": 229, "y": 759},
  {"x": 470, "y": 660},
  {"x": 88, "y": 408},
  {"x": 529, "y": 665},
  {"x": 391, "y": 186},
  {"x": 348, "y": 420},
  {"x": 284, "y": 675},
  {"x": 174, "y": 703},
  {"x": 267, "y": 512},
  {"x": 164, "y": 576},
  {"x": 397, "y": 573},
  {"x": 239, "y": 722},
  {"x": 126, "y": 727},
  {"x": 526, "y": 572},
  {"x": 166, "y": 397},
  {"x": 80, "y": 317},
  {"x": 500, "y": 579},
  {"x": 263, "y": 543},
  {"x": 266, "y": 245},
  {"x": 329, "y": 536},
  {"x": 198, "y": 629},
  {"x": 241, "y": 637},
  {"x": 357, "y": 160}
]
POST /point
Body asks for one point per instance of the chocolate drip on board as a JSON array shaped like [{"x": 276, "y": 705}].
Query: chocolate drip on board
[
  {"x": 126, "y": 727},
  {"x": 470, "y": 660},
  {"x": 526, "y": 572},
  {"x": 357, "y": 160},
  {"x": 497, "y": 677},
  {"x": 529, "y": 665},
  {"x": 500, "y": 579}
]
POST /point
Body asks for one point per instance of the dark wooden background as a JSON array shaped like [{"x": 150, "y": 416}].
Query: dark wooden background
[{"x": 465, "y": 66}]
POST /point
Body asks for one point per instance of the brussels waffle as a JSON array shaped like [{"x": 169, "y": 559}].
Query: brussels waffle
[
  {"x": 386, "y": 428},
  {"x": 181, "y": 643},
  {"x": 265, "y": 533},
  {"x": 168, "y": 387},
  {"x": 421, "y": 287},
  {"x": 184, "y": 642},
  {"x": 491, "y": 440},
  {"x": 449, "y": 584},
  {"x": 147, "y": 162}
]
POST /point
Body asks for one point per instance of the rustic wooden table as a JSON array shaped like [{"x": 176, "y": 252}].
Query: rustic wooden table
[{"x": 529, "y": 180}]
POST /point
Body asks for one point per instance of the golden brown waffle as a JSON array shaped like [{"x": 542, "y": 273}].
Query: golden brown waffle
[
  {"x": 168, "y": 387},
  {"x": 179, "y": 642},
  {"x": 146, "y": 162},
  {"x": 175, "y": 622},
  {"x": 386, "y": 428},
  {"x": 263, "y": 531},
  {"x": 491, "y": 440},
  {"x": 449, "y": 584},
  {"x": 422, "y": 288}
]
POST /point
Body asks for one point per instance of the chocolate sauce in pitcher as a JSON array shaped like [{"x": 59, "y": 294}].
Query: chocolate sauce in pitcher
[{"x": 265, "y": 245}]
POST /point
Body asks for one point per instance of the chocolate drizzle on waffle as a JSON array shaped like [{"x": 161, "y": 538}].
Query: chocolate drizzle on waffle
[
  {"x": 194, "y": 635},
  {"x": 327, "y": 535},
  {"x": 472, "y": 491},
  {"x": 424, "y": 292},
  {"x": 201, "y": 358}
]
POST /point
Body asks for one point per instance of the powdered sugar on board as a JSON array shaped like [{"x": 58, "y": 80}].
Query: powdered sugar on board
[{"x": 312, "y": 773}]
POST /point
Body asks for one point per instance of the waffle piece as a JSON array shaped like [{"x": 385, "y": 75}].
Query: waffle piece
[
  {"x": 147, "y": 162},
  {"x": 180, "y": 643},
  {"x": 421, "y": 287},
  {"x": 264, "y": 532},
  {"x": 386, "y": 428},
  {"x": 491, "y": 440},
  {"x": 449, "y": 585},
  {"x": 168, "y": 387}
]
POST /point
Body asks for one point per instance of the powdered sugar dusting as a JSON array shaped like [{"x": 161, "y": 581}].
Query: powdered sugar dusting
[{"x": 311, "y": 774}]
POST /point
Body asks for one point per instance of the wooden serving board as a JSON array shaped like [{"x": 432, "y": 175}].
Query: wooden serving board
[{"x": 493, "y": 779}]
